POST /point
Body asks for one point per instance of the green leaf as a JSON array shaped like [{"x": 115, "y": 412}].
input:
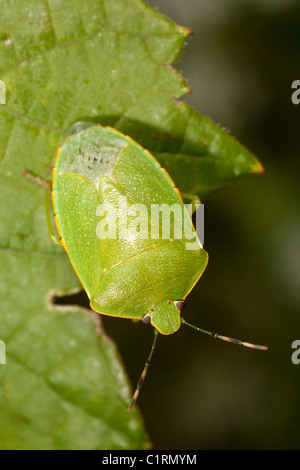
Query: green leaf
[
  {"x": 63, "y": 386},
  {"x": 106, "y": 61},
  {"x": 200, "y": 156}
]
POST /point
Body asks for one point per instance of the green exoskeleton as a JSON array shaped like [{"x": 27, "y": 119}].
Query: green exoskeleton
[{"x": 108, "y": 196}]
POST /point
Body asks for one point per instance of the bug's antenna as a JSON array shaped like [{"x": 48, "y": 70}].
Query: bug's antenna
[
  {"x": 143, "y": 375},
  {"x": 225, "y": 338}
]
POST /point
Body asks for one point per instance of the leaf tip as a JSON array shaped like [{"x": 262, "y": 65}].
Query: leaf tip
[
  {"x": 186, "y": 31},
  {"x": 258, "y": 168}
]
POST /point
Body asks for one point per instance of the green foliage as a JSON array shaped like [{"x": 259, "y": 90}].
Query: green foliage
[{"x": 107, "y": 61}]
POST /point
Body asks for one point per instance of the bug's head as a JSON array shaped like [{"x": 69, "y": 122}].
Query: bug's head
[{"x": 165, "y": 316}]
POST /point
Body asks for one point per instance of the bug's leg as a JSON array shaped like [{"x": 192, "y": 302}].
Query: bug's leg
[
  {"x": 225, "y": 338},
  {"x": 47, "y": 185},
  {"x": 37, "y": 179},
  {"x": 195, "y": 202},
  {"x": 143, "y": 375}
]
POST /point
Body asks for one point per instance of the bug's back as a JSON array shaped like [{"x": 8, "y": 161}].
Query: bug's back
[{"x": 100, "y": 177}]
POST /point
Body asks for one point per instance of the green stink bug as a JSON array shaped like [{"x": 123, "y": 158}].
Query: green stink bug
[{"x": 104, "y": 188}]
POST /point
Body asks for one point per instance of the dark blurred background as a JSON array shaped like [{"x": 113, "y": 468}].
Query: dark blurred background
[{"x": 202, "y": 393}]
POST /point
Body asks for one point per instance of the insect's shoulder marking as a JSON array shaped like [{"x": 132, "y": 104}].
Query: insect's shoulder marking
[{"x": 149, "y": 154}]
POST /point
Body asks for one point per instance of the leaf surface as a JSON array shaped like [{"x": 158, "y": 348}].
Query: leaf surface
[{"x": 107, "y": 61}]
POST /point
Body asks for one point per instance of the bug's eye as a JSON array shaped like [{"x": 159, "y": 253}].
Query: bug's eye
[
  {"x": 146, "y": 319},
  {"x": 180, "y": 304}
]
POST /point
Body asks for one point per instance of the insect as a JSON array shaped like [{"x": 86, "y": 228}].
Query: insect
[{"x": 108, "y": 196}]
